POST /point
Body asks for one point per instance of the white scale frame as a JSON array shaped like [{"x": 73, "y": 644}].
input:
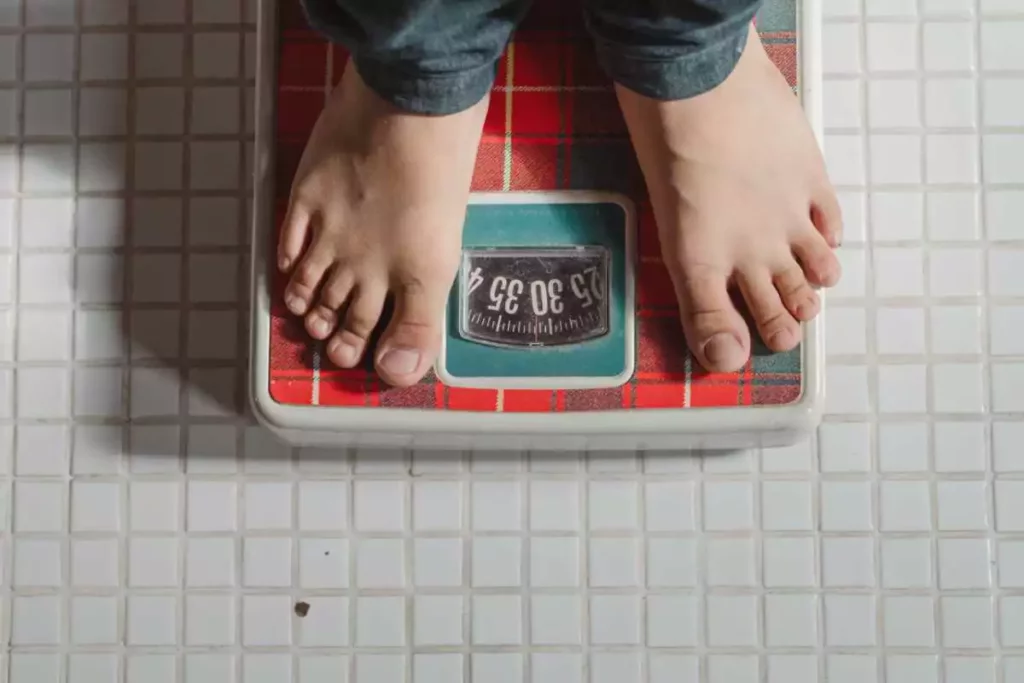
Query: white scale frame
[{"x": 706, "y": 428}]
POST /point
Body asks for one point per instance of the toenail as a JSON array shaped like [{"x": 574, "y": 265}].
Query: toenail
[
  {"x": 781, "y": 339},
  {"x": 346, "y": 354},
  {"x": 284, "y": 263},
  {"x": 294, "y": 304},
  {"x": 724, "y": 350},
  {"x": 400, "y": 361},
  {"x": 320, "y": 326}
]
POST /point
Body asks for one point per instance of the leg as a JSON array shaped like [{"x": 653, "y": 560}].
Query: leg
[
  {"x": 737, "y": 181},
  {"x": 380, "y": 195}
]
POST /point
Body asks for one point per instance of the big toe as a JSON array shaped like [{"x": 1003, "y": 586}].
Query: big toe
[
  {"x": 714, "y": 329},
  {"x": 410, "y": 344}
]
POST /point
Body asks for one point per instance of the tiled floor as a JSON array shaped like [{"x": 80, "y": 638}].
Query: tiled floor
[{"x": 187, "y": 548}]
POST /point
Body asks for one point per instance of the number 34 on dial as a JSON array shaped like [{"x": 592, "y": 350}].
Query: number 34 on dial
[{"x": 534, "y": 297}]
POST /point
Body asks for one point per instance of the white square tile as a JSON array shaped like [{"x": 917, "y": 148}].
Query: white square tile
[
  {"x": 891, "y": 47},
  {"x": 438, "y": 562},
  {"x": 47, "y": 112},
  {"x": 104, "y": 56},
  {"x": 897, "y": 216},
  {"x": 614, "y": 562},
  {"x": 162, "y": 56},
  {"x": 555, "y": 620},
  {"x": 853, "y": 284},
  {"x": 497, "y": 506},
  {"x": 211, "y": 506},
  {"x": 158, "y": 166},
  {"x": 669, "y": 668},
  {"x": 44, "y": 335},
  {"x": 895, "y": 159},
  {"x": 845, "y": 331},
  {"x": 669, "y": 506},
  {"x": 1004, "y": 278},
  {"x": 1003, "y": 106},
  {"x": 792, "y": 669},
  {"x": 554, "y": 505},
  {"x": 732, "y": 621},
  {"x": 900, "y": 330},
  {"x": 905, "y": 506},
  {"x": 847, "y": 562},
  {"x": 321, "y": 668},
  {"x": 894, "y": 104},
  {"x": 615, "y": 620},
  {"x": 266, "y": 668},
  {"x": 673, "y": 621},
  {"x": 917, "y": 668},
  {"x": 210, "y": 620},
  {"x": 796, "y": 458},
  {"x": 899, "y": 271},
  {"x": 844, "y": 155},
  {"x": 948, "y": 7},
  {"x": 151, "y": 620},
  {"x": 153, "y": 562},
  {"x": 102, "y": 111},
  {"x": 437, "y": 505},
  {"x": 45, "y": 278},
  {"x": 1011, "y": 564},
  {"x": 215, "y": 55},
  {"x": 216, "y": 110},
  {"x": 35, "y": 620},
  {"x": 909, "y": 621},
  {"x": 154, "y": 392},
  {"x": 891, "y": 8},
  {"x": 1006, "y": 436},
  {"x": 1006, "y": 330},
  {"x": 903, "y": 447},
  {"x": 960, "y": 447},
  {"x": 962, "y": 506},
  {"x": 497, "y": 620},
  {"x": 1006, "y": 383},
  {"x": 326, "y": 622},
  {"x": 99, "y": 392},
  {"x": 323, "y": 505},
  {"x": 268, "y": 505},
  {"x": 95, "y": 506},
  {"x": 953, "y": 216},
  {"x": 380, "y": 563},
  {"x": 788, "y": 562},
  {"x": 1009, "y": 497},
  {"x": 496, "y": 667},
  {"x": 949, "y": 46},
  {"x": 846, "y": 506},
  {"x": 852, "y": 203},
  {"x": 85, "y": 668},
  {"x": 49, "y": 57},
  {"x": 1011, "y": 612},
  {"x": 379, "y": 505},
  {"x": 851, "y": 669},
  {"x": 967, "y": 622},
  {"x": 37, "y": 563},
  {"x": 551, "y": 667},
  {"x": 906, "y": 563},
  {"x": 958, "y": 388},
  {"x": 267, "y": 562},
  {"x": 101, "y": 166},
  {"x": 849, "y": 621},
  {"x": 791, "y": 620},
  {"x": 615, "y": 667},
  {"x": 323, "y": 563},
  {"x": 841, "y": 45},
  {"x": 733, "y": 669},
  {"x": 786, "y": 506},
  {"x": 437, "y": 620},
  {"x": 210, "y": 562},
  {"x": 970, "y": 670},
  {"x": 266, "y": 620},
  {"x": 1001, "y": 48},
  {"x": 729, "y": 562},
  {"x": 154, "y": 506},
  {"x": 844, "y": 447},
  {"x": 952, "y": 160},
  {"x": 843, "y": 103},
  {"x": 554, "y": 562},
  {"x": 728, "y": 506},
  {"x": 964, "y": 563},
  {"x": 160, "y": 110},
  {"x": 1001, "y": 155},
  {"x": 613, "y": 505},
  {"x": 496, "y": 562},
  {"x": 950, "y": 103},
  {"x": 956, "y": 329},
  {"x": 95, "y": 563},
  {"x": 902, "y": 389},
  {"x": 214, "y": 165}
]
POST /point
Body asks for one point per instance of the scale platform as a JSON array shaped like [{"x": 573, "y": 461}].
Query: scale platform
[{"x": 562, "y": 329}]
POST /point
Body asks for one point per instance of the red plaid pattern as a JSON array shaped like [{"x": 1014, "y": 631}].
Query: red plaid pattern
[{"x": 553, "y": 124}]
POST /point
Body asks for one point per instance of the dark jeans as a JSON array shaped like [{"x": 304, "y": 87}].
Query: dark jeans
[{"x": 439, "y": 56}]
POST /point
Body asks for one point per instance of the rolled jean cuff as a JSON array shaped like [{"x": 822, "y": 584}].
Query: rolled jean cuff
[
  {"x": 427, "y": 94},
  {"x": 660, "y": 76}
]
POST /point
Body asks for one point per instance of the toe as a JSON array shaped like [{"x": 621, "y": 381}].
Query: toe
[
  {"x": 294, "y": 231},
  {"x": 714, "y": 329},
  {"x": 819, "y": 262},
  {"x": 410, "y": 344},
  {"x": 322, "y": 320},
  {"x": 306, "y": 279},
  {"x": 777, "y": 327},
  {"x": 797, "y": 295},
  {"x": 827, "y": 216},
  {"x": 348, "y": 344}
]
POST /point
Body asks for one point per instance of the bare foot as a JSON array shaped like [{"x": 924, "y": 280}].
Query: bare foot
[
  {"x": 742, "y": 198},
  {"x": 377, "y": 207}
]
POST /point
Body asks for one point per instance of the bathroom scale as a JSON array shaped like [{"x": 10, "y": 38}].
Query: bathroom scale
[{"x": 561, "y": 329}]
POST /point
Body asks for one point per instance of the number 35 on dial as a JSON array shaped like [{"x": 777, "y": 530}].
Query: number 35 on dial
[{"x": 534, "y": 297}]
